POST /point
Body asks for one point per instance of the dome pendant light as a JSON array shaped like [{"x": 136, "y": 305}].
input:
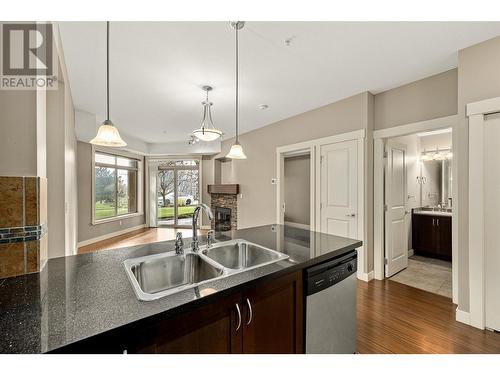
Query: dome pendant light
[
  {"x": 207, "y": 131},
  {"x": 108, "y": 134},
  {"x": 236, "y": 151}
]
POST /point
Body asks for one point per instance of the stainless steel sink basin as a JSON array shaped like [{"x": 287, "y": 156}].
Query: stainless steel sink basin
[
  {"x": 159, "y": 275},
  {"x": 240, "y": 254}
]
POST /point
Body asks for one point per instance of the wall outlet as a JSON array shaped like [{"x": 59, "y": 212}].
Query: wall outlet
[
  {"x": 274, "y": 181},
  {"x": 241, "y": 196}
]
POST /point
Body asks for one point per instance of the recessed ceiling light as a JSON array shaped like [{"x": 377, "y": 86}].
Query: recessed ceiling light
[{"x": 263, "y": 106}]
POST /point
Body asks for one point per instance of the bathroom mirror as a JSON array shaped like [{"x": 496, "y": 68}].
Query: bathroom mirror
[{"x": 436, "y": 177}]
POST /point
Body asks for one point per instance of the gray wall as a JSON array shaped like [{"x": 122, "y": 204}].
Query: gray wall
[
  {"x": 426, "y": 99},
  {"x": 297, "y": 173},
  {"x": 86, "y": 230}
]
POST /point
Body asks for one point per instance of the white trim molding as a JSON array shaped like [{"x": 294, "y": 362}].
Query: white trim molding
[
  {"x": 366, "y": 277},
  {"x": 109, "y": 235},
  {"x": 476, "y": 113},
  {"x": 378, "y": 191},
  {"x": 417, "y": 127},
  {"x": 462, "y": 316}
]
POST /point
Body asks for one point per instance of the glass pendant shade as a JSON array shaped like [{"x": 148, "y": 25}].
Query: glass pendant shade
[
  {"x": 108, "y": 135},
  {"x": 207, "y": 131},
  {"x": 236, "y": 152}
]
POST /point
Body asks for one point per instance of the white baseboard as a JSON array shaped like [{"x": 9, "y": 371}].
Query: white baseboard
[
  {"x": 206, "y": 227},
  {"x": 462, "y": 316},
  {"x": 365, "y": 276},
  {"x": 109, "y": 235}
]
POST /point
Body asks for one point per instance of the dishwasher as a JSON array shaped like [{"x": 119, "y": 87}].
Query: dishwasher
[{"x": 331, "y": 306}]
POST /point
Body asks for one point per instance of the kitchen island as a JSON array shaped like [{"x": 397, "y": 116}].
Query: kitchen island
[{"x": 85, "y": 303}]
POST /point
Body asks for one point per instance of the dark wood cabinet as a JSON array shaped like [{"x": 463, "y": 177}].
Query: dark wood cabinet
[
  {"x": 265, "y": 318},
  {"x": 209, "y": 329},
  {"x": 431, "y": 235},
  {"x": 273, "y": 317}
]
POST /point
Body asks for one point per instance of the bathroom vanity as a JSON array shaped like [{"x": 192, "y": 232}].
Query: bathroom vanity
[{"x": 431, "y": 232}]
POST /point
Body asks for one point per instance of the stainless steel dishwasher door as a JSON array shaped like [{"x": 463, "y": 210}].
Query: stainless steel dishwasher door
[{"x": 331, "y": 323}]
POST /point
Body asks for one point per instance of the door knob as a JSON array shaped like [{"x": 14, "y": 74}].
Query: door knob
[{"x": 351, "y": 215}]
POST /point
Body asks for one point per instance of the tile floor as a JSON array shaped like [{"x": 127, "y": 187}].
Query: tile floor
[{"x": 432, "y": 275}]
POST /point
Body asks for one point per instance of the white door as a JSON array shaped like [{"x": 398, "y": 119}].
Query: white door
[
  {"x": 396, "y": 240},
  {"x": 339, "y": 189},
  {"x": 492, "y": 218}
]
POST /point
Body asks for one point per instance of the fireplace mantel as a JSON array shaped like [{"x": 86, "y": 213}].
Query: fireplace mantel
[{"x": 224, "y": 189}]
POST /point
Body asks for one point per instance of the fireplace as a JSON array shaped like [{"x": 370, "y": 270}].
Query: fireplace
[{"x": 222, "y": 219}]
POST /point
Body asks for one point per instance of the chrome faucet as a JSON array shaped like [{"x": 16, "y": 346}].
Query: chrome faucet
[{"x": 208, "y": 211}]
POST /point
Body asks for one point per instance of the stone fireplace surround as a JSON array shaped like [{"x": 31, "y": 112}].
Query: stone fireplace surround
[{"x": 226, "y": 201}]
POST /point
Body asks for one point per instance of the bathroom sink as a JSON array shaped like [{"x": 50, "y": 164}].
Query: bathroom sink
[
  {"x": 160, "y": 275},
  {"x": 242, "y": 255}
]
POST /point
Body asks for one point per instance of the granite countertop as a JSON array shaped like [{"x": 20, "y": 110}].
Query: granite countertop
[{"x": 84, "y": 295}]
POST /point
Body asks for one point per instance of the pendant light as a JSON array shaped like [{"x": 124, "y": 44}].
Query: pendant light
[
  {"x": 236, "y": 151},
  {"x": 108, "y": 134},
  {"x": 207, "y": 131}
]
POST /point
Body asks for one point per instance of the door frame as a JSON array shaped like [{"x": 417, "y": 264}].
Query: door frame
[
  {"x": 476, "y": 113},
  {"x": 313, "y": 146},
  {"x": 379, "y": 137}
]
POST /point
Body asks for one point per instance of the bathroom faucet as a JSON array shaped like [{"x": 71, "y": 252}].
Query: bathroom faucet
[{"x": 208, "y": 211}]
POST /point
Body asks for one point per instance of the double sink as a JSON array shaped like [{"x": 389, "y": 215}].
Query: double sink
[{"x": 160, "y": 275}]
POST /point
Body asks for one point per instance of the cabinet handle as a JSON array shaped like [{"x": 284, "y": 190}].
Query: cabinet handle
[
  {"x": 437, "y": 222},
  {"x": 250, "y": 312},
  {"x": 433, "y": 222},
  {"x": 239, "y": 317}
]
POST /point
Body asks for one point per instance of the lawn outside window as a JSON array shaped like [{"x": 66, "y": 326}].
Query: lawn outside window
[{"x": 116, "y": 186}]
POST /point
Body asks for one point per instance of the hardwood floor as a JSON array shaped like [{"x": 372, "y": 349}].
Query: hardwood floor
[
  {"x": 138, "y": 237},
  {"x": 397, "y": 318}
]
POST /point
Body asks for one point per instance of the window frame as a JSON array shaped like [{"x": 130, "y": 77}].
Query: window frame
[{"x": 140, "y": 183}]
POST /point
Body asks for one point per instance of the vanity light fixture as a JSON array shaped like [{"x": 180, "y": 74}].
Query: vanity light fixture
[
  {"x": 107, "y": 134},
  {"x": 207, "y": 131},
  {"x": 236, "y": 151},
  {"x": 437, "y": 154}
]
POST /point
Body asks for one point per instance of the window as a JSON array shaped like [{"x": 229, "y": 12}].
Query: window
[{"x": 116, "y": 186}]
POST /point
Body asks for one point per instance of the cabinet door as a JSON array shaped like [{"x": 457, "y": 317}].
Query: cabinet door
[
  {"x": 273, "y": 321},
  {"x": 424, "y": 236},
  {"x": 443, "y": 229},
  {"x": 210, "y": 329}
]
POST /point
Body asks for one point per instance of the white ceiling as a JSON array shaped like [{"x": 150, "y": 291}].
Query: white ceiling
[{"x": 157, "y": 68}]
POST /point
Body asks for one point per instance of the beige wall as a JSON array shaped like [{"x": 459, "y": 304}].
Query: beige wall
[
  {"x": 297, "y": 173},
  {"x": 478, "y": 79},
  {"x": 86, "y": 230},
  {"x": 18, "y": 142},
  {"x": 428, "y": 98}
]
